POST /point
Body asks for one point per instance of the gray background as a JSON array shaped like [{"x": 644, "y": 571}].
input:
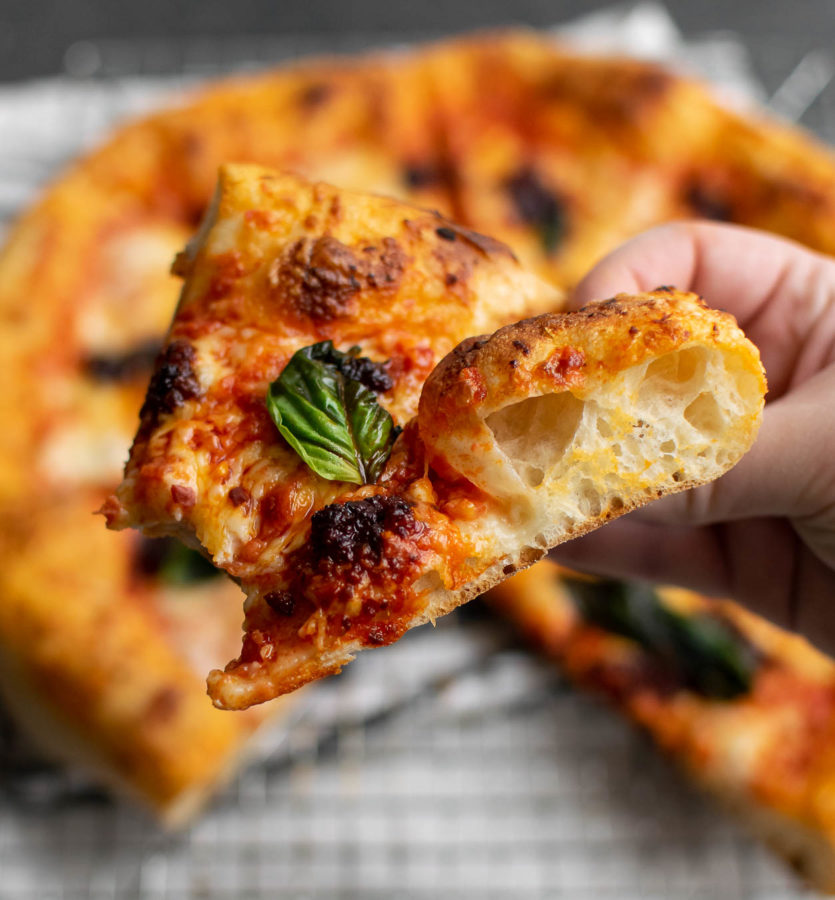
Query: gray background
[{"x": 34, "y": 34}]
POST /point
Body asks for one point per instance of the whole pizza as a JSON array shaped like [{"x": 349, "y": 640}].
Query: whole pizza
[{"x": 105, "y": 638}]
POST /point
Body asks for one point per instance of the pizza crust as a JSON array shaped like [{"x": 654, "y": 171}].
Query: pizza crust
[{"x": 577, "y": 415}]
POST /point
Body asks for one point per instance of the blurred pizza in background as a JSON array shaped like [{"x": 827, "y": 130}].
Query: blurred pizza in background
[{"x": 104, "y": 638}]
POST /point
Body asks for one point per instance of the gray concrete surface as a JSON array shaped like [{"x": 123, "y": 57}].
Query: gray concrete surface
[{"x": 34, "y": 34}]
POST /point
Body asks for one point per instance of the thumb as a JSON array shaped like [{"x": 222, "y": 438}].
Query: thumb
[{"x": 787, "y": 473}]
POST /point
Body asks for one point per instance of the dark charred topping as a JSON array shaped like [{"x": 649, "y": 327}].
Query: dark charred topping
[
  {"x": 445, "y": 233},
  {"x": 664, "y": 288},
  {"x": 521, "y": 346},
  {"x": 538, "y": 207},
  {"x": 173, "y": 382},
  {"x": 315, "y": 95},
  {"x": 367, "y": 372},
  {"x": 708, "y": 201},
  {"x": 322, "y": 277},
  {"x": 281, "y": 602},
  {"x": 124, "y": 366},
  {"x": 352, "y": 532},
  {"x": 238, "y": 496}
]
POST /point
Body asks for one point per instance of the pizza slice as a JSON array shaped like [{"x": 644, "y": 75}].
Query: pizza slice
[
  {"x": 309, "y": 321},
  {"x": 746, "y": 708}
]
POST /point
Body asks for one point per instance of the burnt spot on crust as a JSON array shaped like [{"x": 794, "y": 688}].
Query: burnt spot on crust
[
  {"x": 446, "y": 234},
  {"x": 465, "y": 353},
  {"x": 538, "y": 206},
  {"x": 124, "y": 366},
  {"x": 322, "y": 277},
  {"x": 521, "y": 346},
  {"x": 351, "y": 533},
  {"x": 173, "y": 383}
]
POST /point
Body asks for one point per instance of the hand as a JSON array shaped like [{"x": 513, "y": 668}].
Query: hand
[{"x": 764, "y": 533}]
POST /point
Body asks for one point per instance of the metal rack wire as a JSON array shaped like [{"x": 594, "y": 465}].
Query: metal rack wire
[{"x": 450, "y": 765}]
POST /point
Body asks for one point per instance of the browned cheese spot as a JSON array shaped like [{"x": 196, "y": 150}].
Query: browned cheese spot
[{"x": 321, "y": 278}]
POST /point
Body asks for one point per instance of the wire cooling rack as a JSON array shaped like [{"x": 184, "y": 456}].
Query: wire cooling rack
[{"x": 450, "y": 765}]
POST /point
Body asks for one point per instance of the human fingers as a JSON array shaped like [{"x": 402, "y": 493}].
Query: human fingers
[
  {"x": 782, "y": 294},
  {"x": 650, "y": 551}
]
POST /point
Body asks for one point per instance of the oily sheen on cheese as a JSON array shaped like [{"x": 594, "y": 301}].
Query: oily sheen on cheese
[{"x": 330, "y": 568}]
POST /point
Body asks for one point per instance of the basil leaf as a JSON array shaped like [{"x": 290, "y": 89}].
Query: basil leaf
[
  {"x": 332, "y": 420},
  {"x": 702, "y": 651},
  {"x": 715, "y": 660},
  {"x": 538, "y": 206}
]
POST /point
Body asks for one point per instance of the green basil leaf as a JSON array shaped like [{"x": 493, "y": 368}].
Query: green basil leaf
[
  {"x": 714, "y": 659},
  {"x": 702, "y": 651},
  {"x": 333, "y": 421}
]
